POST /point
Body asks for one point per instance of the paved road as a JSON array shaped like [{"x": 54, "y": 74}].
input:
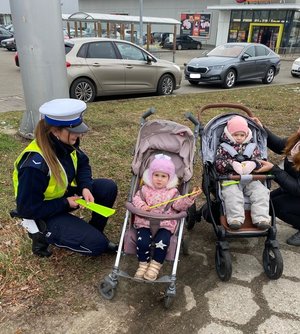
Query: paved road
[{"x": 11, "y": 89}]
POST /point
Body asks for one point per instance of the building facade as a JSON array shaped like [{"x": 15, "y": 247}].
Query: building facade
[
  {"x": 67, "y": 7},
  {"x": 275, "y": 23}
]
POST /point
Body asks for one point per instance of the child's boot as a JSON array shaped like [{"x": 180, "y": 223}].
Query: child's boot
[
  {"x": 143, "y": 266},
  {"x": 152, "y": 271}
]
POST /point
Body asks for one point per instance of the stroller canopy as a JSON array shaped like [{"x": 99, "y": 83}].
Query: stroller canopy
[{"x": 168, "y": 137}]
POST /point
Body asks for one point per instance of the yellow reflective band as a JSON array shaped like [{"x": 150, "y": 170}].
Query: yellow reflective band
[{"x": 229, "y": 183}]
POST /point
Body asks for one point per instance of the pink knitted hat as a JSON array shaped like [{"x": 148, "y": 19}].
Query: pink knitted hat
[
  {"x": 237, "y": 124},
  {"x": 162, "y": 163}
]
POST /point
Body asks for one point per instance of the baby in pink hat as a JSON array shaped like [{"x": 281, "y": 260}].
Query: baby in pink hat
[
  {"x": 160, "y": 182},
  {"x": 238, "y": 154}
]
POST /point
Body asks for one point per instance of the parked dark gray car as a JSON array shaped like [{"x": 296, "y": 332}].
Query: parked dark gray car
[
  {"x": 233, "y": 62},
  {"x": 183, "y": 42},
  {"x": 4, "y": 34},
  {"x": 9, "y": 44}
]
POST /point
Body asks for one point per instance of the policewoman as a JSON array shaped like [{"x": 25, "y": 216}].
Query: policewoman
[{"x": 51, "y": 174}]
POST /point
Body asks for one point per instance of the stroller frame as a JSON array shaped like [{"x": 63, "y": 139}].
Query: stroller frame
[
  {"x": 272, "y": 259},
  {"x": 109, "y": 284}
]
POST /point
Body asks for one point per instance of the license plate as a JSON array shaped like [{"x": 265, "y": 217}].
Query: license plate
[{"x": 195, "y": 75}]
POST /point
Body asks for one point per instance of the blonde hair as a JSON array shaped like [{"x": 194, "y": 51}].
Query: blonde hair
[
  {"x": 291, "y": 142},
  {"x": 42, "y": 136}
]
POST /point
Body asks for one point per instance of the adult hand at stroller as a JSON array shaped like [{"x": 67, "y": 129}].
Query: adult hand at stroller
[
  {"x": 257, "y": 121},
  {"x": 266, "y": 166}
]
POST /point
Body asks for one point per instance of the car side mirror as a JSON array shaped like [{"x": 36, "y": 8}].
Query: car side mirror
[
  {"x": 149, "y": 59},
  {"x": 245, "y": 56}
]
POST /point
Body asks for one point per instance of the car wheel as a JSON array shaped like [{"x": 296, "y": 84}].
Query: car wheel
[
  {"x": 179, "y": 47},
  {"x": 294, "y": 75},
  {"x": 269, "y": 76},
  {"x": 83, "y": 89},
  {"x": 165, "y": 85},
  {"x": 194, "y": 83},
  {"x": 198, "y": 47},
  {"x": 230, "y": 79}
]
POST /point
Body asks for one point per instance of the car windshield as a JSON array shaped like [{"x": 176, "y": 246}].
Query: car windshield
[{"x": 227, "y": 50}]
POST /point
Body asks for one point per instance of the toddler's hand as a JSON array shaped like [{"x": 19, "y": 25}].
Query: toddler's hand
[
  {"x": 195, "y": 192},
  {"x": 145, "y": 208}
]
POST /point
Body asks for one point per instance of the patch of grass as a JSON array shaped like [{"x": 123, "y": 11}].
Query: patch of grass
[{"x": 109, "y": 144}]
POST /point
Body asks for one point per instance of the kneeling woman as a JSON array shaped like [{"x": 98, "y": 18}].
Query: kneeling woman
[
  {"x": 286, "y": 198},
  {"x": 51, "y": 174}
]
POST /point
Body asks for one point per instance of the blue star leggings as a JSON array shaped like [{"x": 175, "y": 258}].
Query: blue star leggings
[{"x": 161, "y": 243}]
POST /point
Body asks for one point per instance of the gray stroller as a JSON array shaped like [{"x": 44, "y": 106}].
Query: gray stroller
[
  {"x": 213, "y": 211},
  {"x": 177, "y": 141}
]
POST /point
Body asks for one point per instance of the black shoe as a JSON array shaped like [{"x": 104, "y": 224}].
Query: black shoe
[
  {"x": 294, "y": 240},
  {"x": 112, "y": 247},
  {"x": 39, "y": 245}
]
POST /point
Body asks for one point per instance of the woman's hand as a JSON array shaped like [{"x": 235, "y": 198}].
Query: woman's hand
[
  {"x": 266, "y": 166},
  {"x": 257, "y": 121},
  {"x": 71, "y": 200},
  {"x": 87, "y": 195}
]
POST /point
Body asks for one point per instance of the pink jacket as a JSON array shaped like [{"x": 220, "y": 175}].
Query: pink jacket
[{"x": 155, "y": 196}]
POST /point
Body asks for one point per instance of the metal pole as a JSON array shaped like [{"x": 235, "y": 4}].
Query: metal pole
[
  {"x": 141, "y": 23},
  {"x": 41, "y": 56}
]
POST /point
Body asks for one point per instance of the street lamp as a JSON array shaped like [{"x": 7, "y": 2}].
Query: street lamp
[{"x": 141, "y": 22}]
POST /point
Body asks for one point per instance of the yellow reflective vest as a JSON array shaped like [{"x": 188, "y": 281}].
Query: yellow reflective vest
[{"x": 54, "y": 190}]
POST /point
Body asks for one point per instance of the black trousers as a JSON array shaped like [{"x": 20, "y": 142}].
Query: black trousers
[
  {"x": 71, "y": 232},
  {"x": 287, "y": 207}
]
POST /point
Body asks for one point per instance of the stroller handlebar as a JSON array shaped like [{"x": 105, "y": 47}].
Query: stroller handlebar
[
  {"x": 225, "y": 105},
  {"x": 254, "y": 177},
  {"x": 195, "y": 121},
  {"x": 148, "y": 113},
  {"x": 191, "y": 118}
]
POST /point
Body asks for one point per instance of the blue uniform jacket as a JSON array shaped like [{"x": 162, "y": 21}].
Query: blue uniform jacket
[{"x": 33, "y": 181}]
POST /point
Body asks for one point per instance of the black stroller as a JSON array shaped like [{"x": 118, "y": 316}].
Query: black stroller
[
  {"x": 179, "y": 142},
  {"x": 213, "y": 210}
]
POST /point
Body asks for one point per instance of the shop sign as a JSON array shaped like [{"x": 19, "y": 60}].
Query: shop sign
[{"x": 195, "y": 24}]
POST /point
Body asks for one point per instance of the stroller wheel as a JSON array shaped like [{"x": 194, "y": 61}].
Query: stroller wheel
[
  {"x": 106, "y": 290},
  {"x": 193, "y": 217},
  {"x": 223, "y": 263},
  {"x": 168, "y": 301},
  {"x": 272, "y": 262}
]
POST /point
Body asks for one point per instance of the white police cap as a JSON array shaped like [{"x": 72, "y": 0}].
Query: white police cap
[{"x": 66, "y": 113}]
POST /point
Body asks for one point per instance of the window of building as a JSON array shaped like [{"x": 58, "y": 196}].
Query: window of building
[
  {"x": 277, "y": 16},
  {"x": 261, "y": 16},
  {"x": 247, "y": 16},
  {"x": 236, "y": 16}
]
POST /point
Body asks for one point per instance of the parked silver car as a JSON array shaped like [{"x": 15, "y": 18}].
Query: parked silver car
[
  {"x": 103, "y": 66},
  {"x": 233, "y": 62},
  {"x": 295, "y": 71}
]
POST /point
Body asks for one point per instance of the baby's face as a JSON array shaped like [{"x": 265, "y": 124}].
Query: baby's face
[
  {"x": 239, "y": 137},
  {"x": 160, "y": 180}
]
